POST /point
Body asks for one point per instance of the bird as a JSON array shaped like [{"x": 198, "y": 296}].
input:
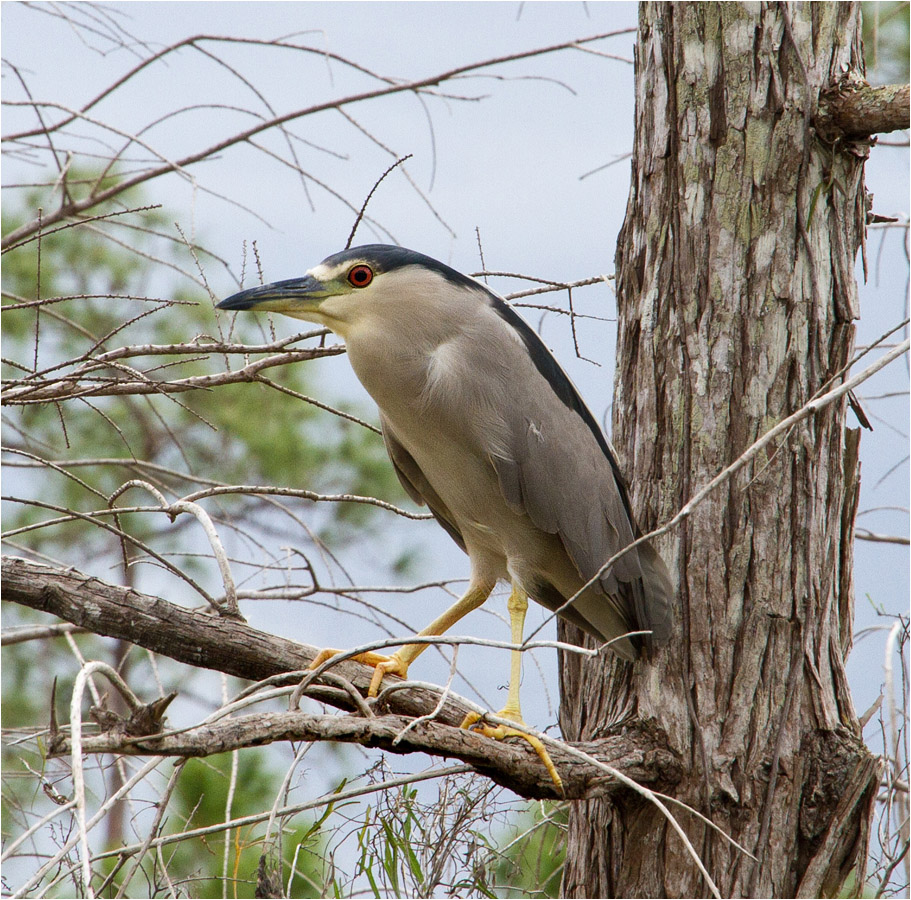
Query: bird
[{"x": 484, "y": 427}]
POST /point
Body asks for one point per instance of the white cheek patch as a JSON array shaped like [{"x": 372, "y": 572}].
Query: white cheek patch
[{"x": 323, "y": 272}]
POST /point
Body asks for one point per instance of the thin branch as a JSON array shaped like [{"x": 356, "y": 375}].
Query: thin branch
[
  {"x": 863, "y": 535},
  {"x": 363, "y": 209},
  {"x": 72, "y": 387},
  {"x": 76, "y": 756},
  {"x": 38, "y": 633},
  {"x": 326, "y": 800},
  {"x": 63, "y": 853},
  {"x": 72, "y": 208},
  {"x": 205, "y": 521}
]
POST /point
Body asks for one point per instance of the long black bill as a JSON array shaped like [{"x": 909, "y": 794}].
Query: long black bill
[{"x": 294, "y": 289}]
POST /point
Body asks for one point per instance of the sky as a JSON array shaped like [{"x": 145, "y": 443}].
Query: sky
[{"x": 515, "y": 158}]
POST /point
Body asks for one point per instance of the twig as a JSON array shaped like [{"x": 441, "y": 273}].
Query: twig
[
  {"x": 161, "y": 806},
  {"x": 67, "y": 848},
  {"x": 68, "y": 388},
  {"x": 76, "y": 755},
  {"x": 38, "y": 633},
  {"x": 863, "y": 535},
  {"x": 363, "y": 208},
  {"x": 325, "y": 800},
  {"x": 444, "y": 696},
  {"x": 94, "y": 519}
]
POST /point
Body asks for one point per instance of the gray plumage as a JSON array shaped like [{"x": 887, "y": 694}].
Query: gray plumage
[{"x": 485, "y": 428}]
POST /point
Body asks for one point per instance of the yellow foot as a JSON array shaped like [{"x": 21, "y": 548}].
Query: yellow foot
[
  {"x": 382, "y": 665},
  {"x": 498, "y": 732}
]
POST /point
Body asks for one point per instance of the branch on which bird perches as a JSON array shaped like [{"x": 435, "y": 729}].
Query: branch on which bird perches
[
  {"x": 583, "y": 766},
  {"x": 639, "y": 752}
]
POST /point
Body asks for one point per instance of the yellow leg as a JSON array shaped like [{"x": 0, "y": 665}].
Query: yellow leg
[
  {"x": 517, "y": 606},
  {"x": 398, "y": 663}
]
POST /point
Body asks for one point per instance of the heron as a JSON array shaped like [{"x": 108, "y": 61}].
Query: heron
[{"x": 484, "y": 427}]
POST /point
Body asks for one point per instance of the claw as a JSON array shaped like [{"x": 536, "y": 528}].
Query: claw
[
  {"x": 498, "y": 732},
  {"x": 382, "y": 665}
]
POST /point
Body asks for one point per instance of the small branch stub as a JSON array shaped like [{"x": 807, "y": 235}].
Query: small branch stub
[{"x": 855, "y": 112}]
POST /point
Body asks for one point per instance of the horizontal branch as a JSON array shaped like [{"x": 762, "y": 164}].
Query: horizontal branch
[
  {"x": 220, "y": 644},
  {"x": 512, "y": 764},
  {"x": 862, "y": 111},
  {"x": 73, "y": 387},
  {"x": 189, "y": 636},
  {"x": 38, "y": 633},
  {"x": 96, "y": 516},
  {"x": 863, "y": 535}
]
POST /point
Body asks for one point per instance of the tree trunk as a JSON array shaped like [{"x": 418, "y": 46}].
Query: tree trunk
[{"x": 736, "y": 291}]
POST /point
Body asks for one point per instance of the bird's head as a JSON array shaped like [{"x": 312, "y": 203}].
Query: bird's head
[{"x": 348, "y": 287}]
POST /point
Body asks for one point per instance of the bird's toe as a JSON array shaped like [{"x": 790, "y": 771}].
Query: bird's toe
[
  {"x": 474, "y": 722},
  {"x": 382, "y": 665}
]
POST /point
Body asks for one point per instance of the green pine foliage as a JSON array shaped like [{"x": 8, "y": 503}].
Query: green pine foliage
[
  {"x": 200, "y": 801},
  {"x": 530, "y": 863}
]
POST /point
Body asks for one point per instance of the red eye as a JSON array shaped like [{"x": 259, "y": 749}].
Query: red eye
[{"x": 360, "y": 276}]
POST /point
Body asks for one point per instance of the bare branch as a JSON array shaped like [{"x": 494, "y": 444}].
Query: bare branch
[
  {"x": 863, "y": 535},
  {"x": 38, "y": 633},
  {"x": 71, "y": 387},
  {"x": 75, "y": 207},
  {"x": 191, "y": 637},
  {"x": 513, "y": 765},
  {"x": 232, "y": 647}
]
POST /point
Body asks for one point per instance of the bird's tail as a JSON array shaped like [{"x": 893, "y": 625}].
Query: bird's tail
[{"x": 655, "y": 605}]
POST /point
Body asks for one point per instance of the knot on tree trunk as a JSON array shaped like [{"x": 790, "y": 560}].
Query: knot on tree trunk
[{"x": 844, "y": 776}]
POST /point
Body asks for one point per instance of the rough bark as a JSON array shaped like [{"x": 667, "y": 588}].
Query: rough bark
[
  {"x": 736, "y": 291},
  {"x": 194, "y": 637}
]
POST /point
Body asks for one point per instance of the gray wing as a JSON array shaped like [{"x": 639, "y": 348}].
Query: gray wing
[
  {"x": 559, "y": 477},
  {"x": 559, "y": 470},
  {"x": 415, "y": 483}
]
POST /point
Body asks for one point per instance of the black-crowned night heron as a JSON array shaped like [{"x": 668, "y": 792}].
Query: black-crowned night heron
[{"x": 483, "y": 426}]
